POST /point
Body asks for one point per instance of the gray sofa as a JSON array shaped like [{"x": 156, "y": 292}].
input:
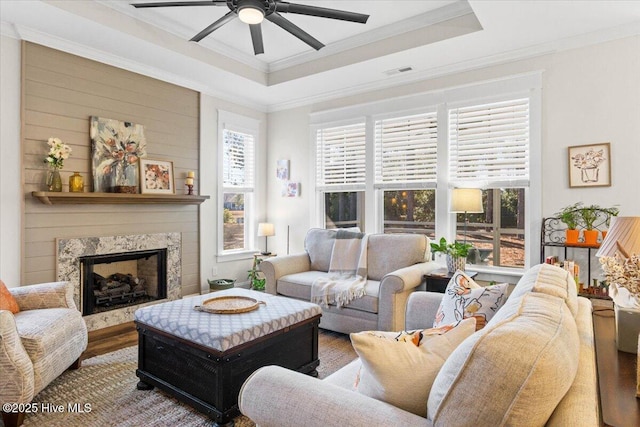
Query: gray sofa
[
  {"x": 395, "y": 263},
  {"x": 533, "y": 364}
]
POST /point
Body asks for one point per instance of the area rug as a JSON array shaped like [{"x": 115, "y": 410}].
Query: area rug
[{"x": 103, "y": 392}]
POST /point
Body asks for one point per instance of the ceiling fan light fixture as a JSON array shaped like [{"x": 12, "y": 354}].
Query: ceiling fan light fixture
[{"x": 250, "y": 12}]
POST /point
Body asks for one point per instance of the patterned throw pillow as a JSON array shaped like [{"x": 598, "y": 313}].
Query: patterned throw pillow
[
  {"x": 464, "y": 298},
  {"x": 7, "y": 301},
  {"x": 399, "y": 368}
]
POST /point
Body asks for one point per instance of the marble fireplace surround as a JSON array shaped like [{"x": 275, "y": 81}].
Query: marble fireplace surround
[{"x": 68, "y": 267}]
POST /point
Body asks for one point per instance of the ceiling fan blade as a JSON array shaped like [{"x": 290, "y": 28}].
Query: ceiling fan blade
[
  {"x": 256, "y": 38},
  {"x": 292, "y": 28},
  {"x": 181, "y": 3},
  {"x": 323, "y": 12},
  {"x": 211, "y": 28}
]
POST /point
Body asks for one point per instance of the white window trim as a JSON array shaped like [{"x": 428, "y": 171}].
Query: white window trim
[
  {"x": 238, "y": 123},
  {"x": 527, "y": 84}
]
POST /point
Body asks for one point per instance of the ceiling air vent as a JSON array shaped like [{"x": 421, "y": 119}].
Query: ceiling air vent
[{"x": 398, "y": 70}]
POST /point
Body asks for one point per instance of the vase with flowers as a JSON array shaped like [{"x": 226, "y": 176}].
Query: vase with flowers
[
  {"x": 58, "y": 153},
  {"x": 623, "y": 276}
]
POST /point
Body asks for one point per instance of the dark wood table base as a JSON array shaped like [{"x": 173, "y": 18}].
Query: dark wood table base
[{"x": 210, "y": 380}]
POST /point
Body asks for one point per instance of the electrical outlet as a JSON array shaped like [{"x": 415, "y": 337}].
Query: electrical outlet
[{"x": 214, "y": 271}]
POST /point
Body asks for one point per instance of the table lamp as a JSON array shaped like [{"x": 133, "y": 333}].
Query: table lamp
[
  {"x": 467, "y": 200},
  {"x": 265, "y": 230},
  {"x": 623, "y": 236}
]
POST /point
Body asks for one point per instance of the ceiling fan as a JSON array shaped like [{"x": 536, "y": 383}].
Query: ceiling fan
[{"x": 253, "y": 12}]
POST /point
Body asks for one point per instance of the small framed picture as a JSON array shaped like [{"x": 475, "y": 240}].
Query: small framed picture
[
  {"x": 282, "y": 170},
  {"x": 290, "y": 189},
  {"x": 156, "y": 177},
  {"x": 590, "y": 165}
]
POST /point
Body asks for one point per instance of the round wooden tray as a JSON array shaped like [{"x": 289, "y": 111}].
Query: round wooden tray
[{"x": 229, "y": 305}]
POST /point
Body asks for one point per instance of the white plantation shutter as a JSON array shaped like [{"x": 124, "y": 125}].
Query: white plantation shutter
[
  {"x": 238, "y": 161},
  {"x": 406, "y": 150},
  {"x": 340, "y": 158},
  {"x": 489, "y": 144}
]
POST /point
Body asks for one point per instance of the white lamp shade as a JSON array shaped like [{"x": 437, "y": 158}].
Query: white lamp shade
[
  {"x": 624, "y": 233},
  {"x": 266, "y": 229},
  {"x": 466, "y": 200}
]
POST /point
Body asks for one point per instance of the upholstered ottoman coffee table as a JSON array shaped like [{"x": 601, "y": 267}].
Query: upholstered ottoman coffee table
[{"x": 203, "y": 358}]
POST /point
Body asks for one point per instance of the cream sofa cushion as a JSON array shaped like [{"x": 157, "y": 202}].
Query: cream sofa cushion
[
  {"x": 526, "y": 358},
  {"x": 400, "y": 372},
  {"x": 550, "y": 280}
]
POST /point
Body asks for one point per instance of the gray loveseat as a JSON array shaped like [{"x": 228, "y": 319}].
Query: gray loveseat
[
  {"x": 395, "y": 264},
  {"x": 533, "y": 364}
]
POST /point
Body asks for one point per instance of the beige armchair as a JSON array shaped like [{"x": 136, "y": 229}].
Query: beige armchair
[
  {"x": 38, "y": 343},
  {"x": 396, "y": 264}
]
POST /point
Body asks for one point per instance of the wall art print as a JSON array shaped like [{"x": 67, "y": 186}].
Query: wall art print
[
  {"x": 282, "y": 169},
  {"x": 157, "y": 176},
  {"x": 590, "y": 165},
  {"x": 290, "y": 189},
  {"x": 116, "y": 148}
]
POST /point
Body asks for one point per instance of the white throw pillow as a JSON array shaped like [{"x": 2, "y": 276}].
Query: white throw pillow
[
  {"x": 397, "y": 371},
  {"x": 464, "y": 298}
]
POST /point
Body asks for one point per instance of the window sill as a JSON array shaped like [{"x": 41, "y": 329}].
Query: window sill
[
  {"x": 497, "y": 274},
  {"x": 236, "y": 256}
]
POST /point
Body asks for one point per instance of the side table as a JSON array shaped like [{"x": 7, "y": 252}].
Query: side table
[
  {"x": 437, "y": 280},
  {"x": 617, "y": 372}
]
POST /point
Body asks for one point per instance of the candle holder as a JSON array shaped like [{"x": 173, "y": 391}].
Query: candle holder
[{"x": 190, "y": 187}]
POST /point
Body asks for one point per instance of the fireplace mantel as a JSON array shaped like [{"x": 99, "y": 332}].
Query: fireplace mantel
[{"x": 58, "y": 198}]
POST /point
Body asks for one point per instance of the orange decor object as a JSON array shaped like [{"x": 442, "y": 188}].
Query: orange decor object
[
  {"x": 590, "y": 237},
  {"x": 7, "y": 301},
  {"x": 604, "y": 234},
  {"x": 572, "y": 236}
]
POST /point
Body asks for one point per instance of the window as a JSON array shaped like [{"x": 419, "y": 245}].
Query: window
[
  {"x": 406, "y": 159},
  {"x": 340, "y": 174},
  {"x": 408, "y": 153},
  {"x": 497, "y": 234},
  {"x": 489, "y": 148},
  {"x": 236, "y": 184}
]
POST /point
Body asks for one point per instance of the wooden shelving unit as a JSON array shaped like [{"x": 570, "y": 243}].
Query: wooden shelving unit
[{"x": 63, "y": 198}]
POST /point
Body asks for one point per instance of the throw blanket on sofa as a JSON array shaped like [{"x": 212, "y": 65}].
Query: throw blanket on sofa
[{"x": 347, "y": 271}]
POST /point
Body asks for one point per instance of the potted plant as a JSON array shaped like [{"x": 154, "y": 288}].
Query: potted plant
[
  {"x": 589, "y": 215},
  {"x": 255, "y": 280},
  {"x": 570, "y": 215},
  {"x": 456, "y": 253}
]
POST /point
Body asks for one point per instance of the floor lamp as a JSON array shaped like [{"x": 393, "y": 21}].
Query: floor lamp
[{"x": 467, "y": 200}]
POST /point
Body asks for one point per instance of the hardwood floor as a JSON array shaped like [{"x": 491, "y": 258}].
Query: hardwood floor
[{"x": 110, "y": 339}]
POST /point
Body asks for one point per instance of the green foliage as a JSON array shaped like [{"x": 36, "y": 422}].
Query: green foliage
[
  {"x": 258, "y": 283},
  {"x": 455, "y": 249},
  {"x": 228, "y": 217},
  {"x": 570, "y": 215},
  {"x": 589, "y": 214}
]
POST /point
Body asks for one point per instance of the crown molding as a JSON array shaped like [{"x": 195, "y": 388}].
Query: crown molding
[
  {"x": 35, "y": 36},
  {"x": 576, "y": 42},
  {"x": 426, "y": 19},
  {"x": 8, "y": 30}
]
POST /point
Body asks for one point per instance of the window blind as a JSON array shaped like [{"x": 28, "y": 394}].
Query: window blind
[
  {"x": 238, "y": 160},
  {"x": 489, "y": 144},
  {"x": 340, "y": 157},
  {"x": 406, "y": 149}
]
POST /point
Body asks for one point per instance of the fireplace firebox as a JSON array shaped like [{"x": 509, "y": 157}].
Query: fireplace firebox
[{"x": 123, "y": 279}]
